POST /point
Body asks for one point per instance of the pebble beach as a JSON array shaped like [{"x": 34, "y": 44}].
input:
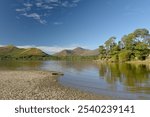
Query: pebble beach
[{"x": 39, "y": 85}]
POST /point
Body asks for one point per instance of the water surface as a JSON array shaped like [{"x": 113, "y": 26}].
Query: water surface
[{"x": 124, "y": 81}]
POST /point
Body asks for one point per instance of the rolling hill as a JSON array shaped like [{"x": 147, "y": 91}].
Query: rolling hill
[
  {"x": 14, "y": 52},
  {"x": 78, "y": 52}
]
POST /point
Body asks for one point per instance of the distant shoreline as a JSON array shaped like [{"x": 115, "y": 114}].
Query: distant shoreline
[{"x": 38, "y": 85}]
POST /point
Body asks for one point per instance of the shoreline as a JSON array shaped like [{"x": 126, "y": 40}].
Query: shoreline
[
  {"x": 130, "y": 62},
  {"x": 39, "y": 85},
  {"x": 139, "y": 62}
]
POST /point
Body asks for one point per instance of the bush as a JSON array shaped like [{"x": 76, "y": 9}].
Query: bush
[
  {"x": 114, "y": 58},
  {"x": 125, "y": 56}
]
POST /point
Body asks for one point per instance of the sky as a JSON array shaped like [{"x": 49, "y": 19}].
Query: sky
[{"x": 54, "y": 25}]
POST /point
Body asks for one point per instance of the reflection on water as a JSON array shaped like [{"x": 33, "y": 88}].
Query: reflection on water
[
  {"x": 128, "y": 81},
  {"x": 20, "y": 65},
  {"x": 135, "y": 78}
]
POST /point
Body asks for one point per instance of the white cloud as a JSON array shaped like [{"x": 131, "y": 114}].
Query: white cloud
[
  {"x": 43, "y": 21},
  {"x": 47, "y": 7},
  {"x": 52, "y": 1},
  {"x": 65, "y": 4},
  {"x": 35, "y": 16},
  {"x": 21, "y": 10},
  {"x": 39, "y": 4},
  {"x": 27, "y": 4},
  {"x": 37, "y": 8},
  {"x": 58, "y": 23}
]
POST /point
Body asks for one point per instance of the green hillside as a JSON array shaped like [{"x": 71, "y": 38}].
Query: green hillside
[{"x": 12, "y": 52}]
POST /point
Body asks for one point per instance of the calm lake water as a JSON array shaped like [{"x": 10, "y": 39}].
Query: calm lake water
[{"x": 124, "y": 81}]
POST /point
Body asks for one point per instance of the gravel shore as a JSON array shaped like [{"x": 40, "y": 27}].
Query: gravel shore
[{"x": 38, "y": 85}]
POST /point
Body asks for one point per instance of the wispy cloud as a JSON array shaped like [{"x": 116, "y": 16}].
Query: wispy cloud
[
  {"x": 36, "y": 9},
  {"x": 27, "y": 4},
  {"x": 36, "y": 17},
  {"x": 58, "y": 23},
  {"x": 21, "y": 10}
]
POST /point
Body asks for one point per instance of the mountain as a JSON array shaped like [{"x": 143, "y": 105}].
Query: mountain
[
  {"x": 64, "y": 53},
  {"x": 78, "y": 52},
  {"x": 14, "y": 52},
  {"x": 32, "y": 52}
]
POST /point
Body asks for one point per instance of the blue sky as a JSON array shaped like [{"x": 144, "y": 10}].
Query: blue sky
[{"x": 53, "y": 25}]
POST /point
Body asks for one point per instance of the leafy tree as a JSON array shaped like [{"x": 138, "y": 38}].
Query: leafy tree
[
  {"x": 120, "y": 45},
  {"x": 125, "y": 56},
  {"x": 141, "y": 33},
  {"x": 110, "y": 43},
  {"x": 128, "y": 41},
  {"x": 147, "y": 40},
  {"x": 102, "y": 51},
  {"x": 141, "y": 51}
]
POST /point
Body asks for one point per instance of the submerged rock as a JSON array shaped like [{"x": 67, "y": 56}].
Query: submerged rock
[{"x": 57, "y": 74}]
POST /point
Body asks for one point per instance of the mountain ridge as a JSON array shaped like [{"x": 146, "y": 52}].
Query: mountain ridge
[
  {"x": 79, "y": 51},
  {"x": 13, "y": 51}
]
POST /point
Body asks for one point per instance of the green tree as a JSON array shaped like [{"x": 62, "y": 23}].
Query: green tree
[
  {"x": 125, "y": 55},
  {"x": 128, "y": 41},
  {"x": 141, "y": 33},
  {"x": 102, "y": 51},
  {"x": 147, "y": 40},
  {"x": 141, "y": 51},
  {"x": 110, "y": 43},
  {"x": 120, "y": 45}
]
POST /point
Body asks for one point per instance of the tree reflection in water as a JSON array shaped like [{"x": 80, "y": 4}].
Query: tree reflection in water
[{"x": 135, "y": 78}]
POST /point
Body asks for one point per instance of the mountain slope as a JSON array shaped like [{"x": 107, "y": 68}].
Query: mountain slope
[
  {"x": 33, "y": 52},
  {"x": 78, "y": 52},
  {"x": 12, "y": 51},
  {"x": 64, "y": 53}
]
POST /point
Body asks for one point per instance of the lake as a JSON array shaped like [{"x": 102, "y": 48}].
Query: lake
[{"x": 123, "y": 81}]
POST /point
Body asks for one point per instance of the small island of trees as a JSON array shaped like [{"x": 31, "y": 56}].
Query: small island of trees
[{"x": 134, "y": 46}]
